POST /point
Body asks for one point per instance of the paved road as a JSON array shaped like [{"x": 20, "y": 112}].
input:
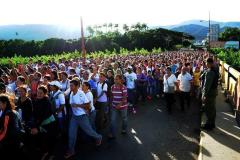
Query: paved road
[{"x": 153, "y": 135}]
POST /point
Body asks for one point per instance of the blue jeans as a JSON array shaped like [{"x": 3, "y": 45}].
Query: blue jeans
[
  {"x": 131, "y": 96},
  {"x": 92, "y": 119},
  {"x": 150, "y": 89},
  {"x": 84, "y": 123},
  {"x": 113, "y": 123}
]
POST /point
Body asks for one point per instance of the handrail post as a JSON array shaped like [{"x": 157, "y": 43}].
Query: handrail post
[{"x": 228, "y": 79}]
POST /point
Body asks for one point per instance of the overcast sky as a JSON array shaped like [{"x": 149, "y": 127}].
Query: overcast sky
[{"x": 152, "y": 12}]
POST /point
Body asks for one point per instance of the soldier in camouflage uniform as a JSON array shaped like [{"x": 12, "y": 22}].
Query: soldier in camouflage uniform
[{"x": 209, "y": 93}]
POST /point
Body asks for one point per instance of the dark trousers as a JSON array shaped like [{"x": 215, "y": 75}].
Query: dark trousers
[
  {"x": 131, "y": 96},
  {"x": 184, "y": 96},
  {"x": 169, "y": 101},
  {"x": 159, "y": 87},
  {"x": 141, "y": 91},
  {"x": 101, "y": 115},
  {"x": 210, "y": 110},
  {"x": 48, "y": 138}
]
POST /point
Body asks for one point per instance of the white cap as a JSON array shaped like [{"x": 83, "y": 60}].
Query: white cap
[
  {"x": 55, "y": 83},
  {"x": 130, "y": 67}
]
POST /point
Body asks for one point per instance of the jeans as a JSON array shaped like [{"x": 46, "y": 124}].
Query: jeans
[
  {"x": 84, "y": 123},
  {"x": 150, "y": 89},
  {"x": 101, "y": 115},
  {"x": 141, "y": 91},
  {"x": 131, "y": 96},
  {"x": 184, "y": 96},
  {"x": 159, "y": 87},
  {"x": 113, "y": 123},
  {"x": 169, "y": 101},
  {"x": 92, "y": 119}
]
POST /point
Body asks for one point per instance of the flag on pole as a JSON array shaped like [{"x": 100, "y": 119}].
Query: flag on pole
[{"x": 83, "y": 43}]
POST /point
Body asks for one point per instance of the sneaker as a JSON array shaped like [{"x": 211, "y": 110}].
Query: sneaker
[
  {"x": 44, "y": 156},
  {"x": 134, "y": 111},
  {"x": 51, "y": 158},
  {"x": 149, "y": 97},
  {"x": 207, "y": 127},
  {"x": 110, "y": 137},
  {"x": 98, "y": 142},
  {"x": 69, "y": 155},
  {"x": 123, "y": 132}
]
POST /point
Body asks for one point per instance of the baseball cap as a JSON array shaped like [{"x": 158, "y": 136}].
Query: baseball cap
[{"x": 55, "y": 83}]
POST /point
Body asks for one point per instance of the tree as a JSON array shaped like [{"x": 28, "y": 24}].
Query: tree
[
  {"x": 95, "y": 27},
  {"x": 230, "y": 34},
  {"x": 106, "y": 26},
  {"x": 125, "y": 27},
  {"x": 131, "y": 39},
  {"x": 90, "y": 30},
  {"x": 110, "y": 25},
  {"x": 144, "y": 26},
  {"x": 116, "y": 26},
  {"x": 138, "y": 26}
]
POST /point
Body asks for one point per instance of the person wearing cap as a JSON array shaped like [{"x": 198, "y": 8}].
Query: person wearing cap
[
  {"x": 209, "y": 93},
  {"x": 131, "y": 77},
  {"x": 58, "y": 104}
]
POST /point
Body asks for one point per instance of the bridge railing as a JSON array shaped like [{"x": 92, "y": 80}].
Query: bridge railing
[{"x": 230, "y": 78}]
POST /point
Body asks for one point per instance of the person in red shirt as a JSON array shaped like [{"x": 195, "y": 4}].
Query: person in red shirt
[{"x": 119, "y": 104}]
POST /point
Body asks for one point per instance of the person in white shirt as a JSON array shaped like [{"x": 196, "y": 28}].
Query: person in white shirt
[
  {"x": 65, "y": 81},
  {"x": 58, "y": 104},
  {"x": 185, "y": 82},
  {"x": 101, "y": 102},
  {"x": 80, "y": 110},
  {"x": 92, "y": 115},
  {"x": 169, "y": 83},
  {"x": 131, "y": 78}
]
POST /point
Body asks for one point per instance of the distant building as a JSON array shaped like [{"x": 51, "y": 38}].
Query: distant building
[
  {"x": 231, "y": 44},
  {"x": 217, "y": 44},
  {"x": 214, "y": 32}
]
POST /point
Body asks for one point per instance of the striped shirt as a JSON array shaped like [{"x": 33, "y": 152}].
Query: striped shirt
[{"x": 118, "y": 92}]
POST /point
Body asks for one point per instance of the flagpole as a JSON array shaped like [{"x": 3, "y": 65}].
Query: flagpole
[{"x": 83, "y": 44}]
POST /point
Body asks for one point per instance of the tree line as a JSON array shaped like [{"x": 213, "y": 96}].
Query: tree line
[
  {"x": 131, "y": 37},
  {"x": 230, "y": 34}
]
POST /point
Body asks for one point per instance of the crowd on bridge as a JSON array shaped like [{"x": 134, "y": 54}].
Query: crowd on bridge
[{"x": 41, "y": 104}]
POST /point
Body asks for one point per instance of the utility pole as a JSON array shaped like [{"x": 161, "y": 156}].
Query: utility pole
[
  {"x": 83, "y": 43},
  {"x": 209, "y": 31}
]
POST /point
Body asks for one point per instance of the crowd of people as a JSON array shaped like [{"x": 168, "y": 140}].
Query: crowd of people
[{"x": 42, "y": 103}]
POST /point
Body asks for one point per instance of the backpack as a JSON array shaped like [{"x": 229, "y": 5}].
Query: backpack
[
  {"x": 108, "y": 88},
  {"x": 53, "y": 102}
]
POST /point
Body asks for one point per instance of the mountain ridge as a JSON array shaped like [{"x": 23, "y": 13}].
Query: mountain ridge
[{"x": 197, "y": 28}]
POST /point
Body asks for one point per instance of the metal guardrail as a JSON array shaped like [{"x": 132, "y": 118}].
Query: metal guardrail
[{"x": 230, "y": 77}]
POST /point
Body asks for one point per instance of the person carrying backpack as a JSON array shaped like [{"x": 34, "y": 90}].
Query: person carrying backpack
[
  {"x": 58, "y": 104},
  {"x": 101, "y": 102}
]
